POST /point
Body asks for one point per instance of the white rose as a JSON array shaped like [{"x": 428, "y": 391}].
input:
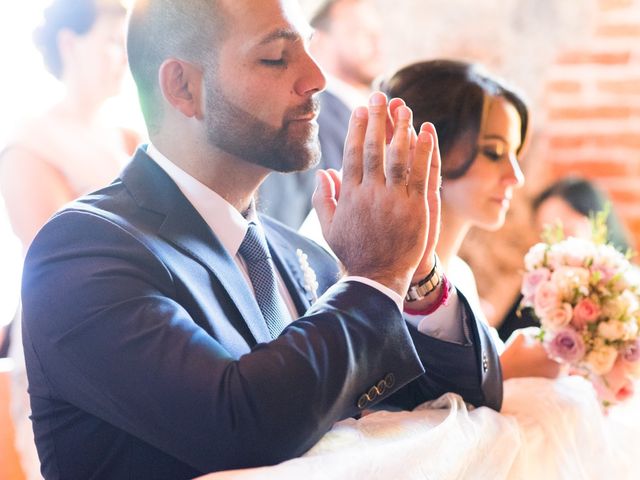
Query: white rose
[
  {"x": 608, "y": 256},
  {"x": 555, "y": 257},
  {"x": 624, "y": 305},
  {"x": 612, "y": 330},
  {"x": 569, "y": 279},
  {"x": 629, "y": 280},
  {"x": 577, "y": 251},
  {"x": 631, "y": 329},
  {"x": 601, "y": 359},
  {"x": 535, "y": 256},
  {"x": 556, "y": 318}
]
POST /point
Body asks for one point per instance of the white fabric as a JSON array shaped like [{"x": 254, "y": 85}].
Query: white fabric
[
  {"x": 444, "y": 324},
  {"x": 549, "y": 429}
]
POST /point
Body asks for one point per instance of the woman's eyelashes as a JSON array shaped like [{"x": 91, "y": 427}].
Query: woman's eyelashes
[{"x": 492, "y": 153}]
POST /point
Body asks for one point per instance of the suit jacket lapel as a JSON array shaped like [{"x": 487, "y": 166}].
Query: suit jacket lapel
[
  {"x": 184, "y": 227},
  {"x": 288, "y": 265}
]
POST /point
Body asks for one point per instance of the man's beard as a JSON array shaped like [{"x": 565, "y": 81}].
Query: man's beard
[{"x": 292, "y": 147}]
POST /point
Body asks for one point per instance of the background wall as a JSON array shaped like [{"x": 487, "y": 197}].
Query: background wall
[{"x": 578, "y": 61}]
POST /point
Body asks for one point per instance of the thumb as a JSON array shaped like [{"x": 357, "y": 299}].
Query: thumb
[{"x": 324, "y": 200}]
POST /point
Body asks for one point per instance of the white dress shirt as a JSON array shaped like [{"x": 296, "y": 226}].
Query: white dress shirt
[{"x": 230, "y": 227}]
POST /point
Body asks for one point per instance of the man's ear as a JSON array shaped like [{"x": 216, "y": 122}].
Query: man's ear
[{"x": 181, "y": 86}]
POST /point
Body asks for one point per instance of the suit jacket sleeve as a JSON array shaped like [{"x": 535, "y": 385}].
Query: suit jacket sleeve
[
  {"x": 471, "y": 370},
  {"x": 105, "y": 333}
]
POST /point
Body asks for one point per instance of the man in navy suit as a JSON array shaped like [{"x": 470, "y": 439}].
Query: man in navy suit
[
  {"x": 156, "y": 348},
  {"x": 347, "y": 45}
]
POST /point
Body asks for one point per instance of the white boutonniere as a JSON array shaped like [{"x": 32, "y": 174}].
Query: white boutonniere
[{"x": 310, "y": 280}]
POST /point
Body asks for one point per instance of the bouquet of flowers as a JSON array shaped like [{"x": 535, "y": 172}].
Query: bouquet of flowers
[{"x": 585, "y": 294}]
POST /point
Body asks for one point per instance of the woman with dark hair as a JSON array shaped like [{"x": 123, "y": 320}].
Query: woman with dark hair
[
  {"x": 569, "y": 202},
  {"x": 572, "y": 201},
  {"x": 482, "y": 127},
  {"x": 69, "y": 150}
]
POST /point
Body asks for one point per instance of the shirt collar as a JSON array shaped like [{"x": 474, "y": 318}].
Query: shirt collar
[{"x": 224, "y": 220}]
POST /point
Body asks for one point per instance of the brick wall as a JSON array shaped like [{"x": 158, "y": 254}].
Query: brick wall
[{"x": 592, "y": 109}]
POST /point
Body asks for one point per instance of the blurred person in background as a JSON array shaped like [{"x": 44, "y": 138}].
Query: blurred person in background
[
  {"x": 45, "y": 163},
  {"x": 568, "y": 202},
  {"x": 347, "y": 44}
]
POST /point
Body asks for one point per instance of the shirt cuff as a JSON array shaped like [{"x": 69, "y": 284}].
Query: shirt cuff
[
  {"x": 446, "y": 323},
  {"x": 397, "y": 299}
]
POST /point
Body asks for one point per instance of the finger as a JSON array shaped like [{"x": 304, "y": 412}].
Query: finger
[
  {"x": 336, "y": 176},
  {"x": 398, "y": 159},
  {"x": 433, "y": 188},
  {"x": 324, "y": 200},
  {"x": 435, "y": 179},
  {"x": 374, "y": 141},
  {"x": 414, "y": 138},
  {"x": 393, "y": 107},
  {"x": 420, "y": 164},
  {"x": 353, "y": 146},
  {"x": 391, "y": 120}
]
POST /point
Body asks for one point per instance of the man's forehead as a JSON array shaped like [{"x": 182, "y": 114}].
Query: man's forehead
[{"x": 267, "y": 20}]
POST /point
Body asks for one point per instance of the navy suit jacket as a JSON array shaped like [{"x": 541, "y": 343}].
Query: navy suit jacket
[
  {"x": 287, "y": 196},
  {"x": 147, "y": 355}
]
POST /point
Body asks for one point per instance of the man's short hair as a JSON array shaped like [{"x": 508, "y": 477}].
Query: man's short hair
[{"x": 160, "y": 29}]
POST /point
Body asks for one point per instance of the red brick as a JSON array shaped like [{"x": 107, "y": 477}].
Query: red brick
[
  {"x": 607, "y": 5},
  {"x": 633, "y": 224},
  {"x": 619, "y": 30},
  {"x": 592, "y": 168},
  {"x": 592, "y": 113},
  {"x": 625, "y": 195},
  {"x": 597, "y": 58},
  {"x": 630, "y": 86},
  {"x": 564, "y": 86},
  {"x": 620, "y": 140}
]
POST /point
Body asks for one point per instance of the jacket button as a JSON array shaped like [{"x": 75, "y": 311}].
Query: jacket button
[
  {"x": 390, "y": 380},
  {"x": 373, "y": 393},
  {"x": 382, "y": 387},
  {"x": 363, "y": 401}
]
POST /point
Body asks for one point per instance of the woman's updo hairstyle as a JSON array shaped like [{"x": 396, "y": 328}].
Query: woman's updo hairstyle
[
  {"x": 77, "y": 16},
  {"x": 454, "y": 96}
]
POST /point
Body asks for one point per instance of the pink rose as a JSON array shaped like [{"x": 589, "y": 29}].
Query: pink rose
[
  {"x": 586, "y": 311},
  {"x": 566, "y": 346},
  {"x": 546, "y": 298},
  {"x": 531, "y": 280},
  {"x": 631, "y": 353},
  {"x": 606, "y": 272},
  {"x": 616, "y": 385},
  {"x": 558, "y": 317}
]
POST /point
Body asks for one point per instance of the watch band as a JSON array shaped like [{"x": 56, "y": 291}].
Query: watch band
[{"x": 428, "y": 284}]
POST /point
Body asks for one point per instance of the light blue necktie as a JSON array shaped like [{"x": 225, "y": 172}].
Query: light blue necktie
[{"x": 255, "y": 252}]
